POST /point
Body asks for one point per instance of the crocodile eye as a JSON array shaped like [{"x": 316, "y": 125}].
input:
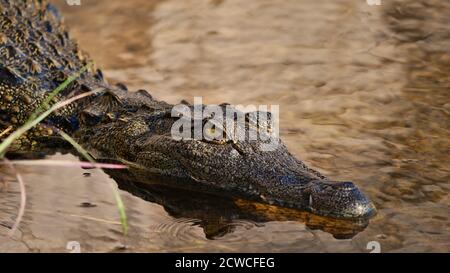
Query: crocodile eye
[
  {"x": 214, "y": 133},
  {"x": 210, "y": 131}
]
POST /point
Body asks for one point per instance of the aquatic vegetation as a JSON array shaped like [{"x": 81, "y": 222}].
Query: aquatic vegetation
[{"x": 42, "y": 112}]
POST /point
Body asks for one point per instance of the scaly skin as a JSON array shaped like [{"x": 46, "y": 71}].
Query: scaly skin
[{"x": 37, "y": 54}]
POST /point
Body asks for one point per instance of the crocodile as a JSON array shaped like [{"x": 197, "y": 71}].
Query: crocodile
[
  {"x": 218, "y": 214},
  {"x": 37, "y": 55}
]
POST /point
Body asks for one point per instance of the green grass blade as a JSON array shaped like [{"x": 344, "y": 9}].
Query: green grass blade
[
  {"x": 30, "y": 124},
  {"x": 77, "y": 146},
  {"x": 46, "y": 103},
  {"x": 119, "y": 202},
  {"x": 43, "y": 111},
  {"x": 121, "y": 207}
]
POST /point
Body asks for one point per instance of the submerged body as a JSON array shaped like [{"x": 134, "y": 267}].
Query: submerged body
[{"x": 37, "y": 55}]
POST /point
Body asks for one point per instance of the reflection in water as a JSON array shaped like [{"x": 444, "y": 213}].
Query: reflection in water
[{"x": 218, "y": 214}]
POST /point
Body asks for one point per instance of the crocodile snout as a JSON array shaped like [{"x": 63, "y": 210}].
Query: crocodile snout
[{"x": 338, "y": 199}]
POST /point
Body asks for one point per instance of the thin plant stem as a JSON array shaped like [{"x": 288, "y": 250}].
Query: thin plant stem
[{"x": 23, "y": 198}]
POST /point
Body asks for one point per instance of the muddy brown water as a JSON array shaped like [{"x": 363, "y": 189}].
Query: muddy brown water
[{"x": 363, "y": 93}]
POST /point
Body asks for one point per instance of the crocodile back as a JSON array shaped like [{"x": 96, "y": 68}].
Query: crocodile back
[{"x": 36, "y": 56}]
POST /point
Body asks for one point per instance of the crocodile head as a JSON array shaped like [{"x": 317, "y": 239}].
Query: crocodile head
[
  {"x": 261, "y": 169},
  {"x": 273, "y": 177}
]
